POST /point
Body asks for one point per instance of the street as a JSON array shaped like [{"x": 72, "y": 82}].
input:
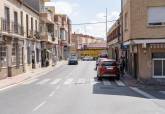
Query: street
[{"x": 74, "y": 89}]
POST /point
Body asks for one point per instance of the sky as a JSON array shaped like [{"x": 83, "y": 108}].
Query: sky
[{"x": 88, "y": 11}]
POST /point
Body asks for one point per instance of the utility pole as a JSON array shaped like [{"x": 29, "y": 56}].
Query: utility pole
[
  {"x": 122, "y": 24},
  {"x": 106, "y": 17}
]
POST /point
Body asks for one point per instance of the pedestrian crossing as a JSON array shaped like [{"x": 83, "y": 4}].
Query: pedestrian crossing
[
  {"x": 56, "y": 81},
  {"x": 106, "y": 83},
  {"x": 163, "y": 92},
  {"x": 72, "y": 81},
  {"x": 68, "y": 81},
  {"x": 43, "y": 81},
  {"x": 29, "y": 81}
]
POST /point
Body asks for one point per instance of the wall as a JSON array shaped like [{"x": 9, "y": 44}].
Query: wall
[
  {"x": 126, "y": 10},
  {"x": 139, "y": 18}
]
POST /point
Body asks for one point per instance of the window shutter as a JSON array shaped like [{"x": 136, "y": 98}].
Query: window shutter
[{"x": 156, "y": 15}]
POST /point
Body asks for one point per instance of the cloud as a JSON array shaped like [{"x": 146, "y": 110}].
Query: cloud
[{"x": 64, "y": 7}]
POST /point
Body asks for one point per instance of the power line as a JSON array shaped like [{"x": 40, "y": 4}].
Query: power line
[{"x": 94, "y": 23}]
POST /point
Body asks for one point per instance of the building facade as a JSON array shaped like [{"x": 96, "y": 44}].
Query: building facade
[
  {"x": 114, "y": 41},
  {"x": 144, "y": 39},
  {"x": 85, "y": 45},
  {"x": 49, "y": 41},
  {"x": 65, "y": 31},
  {"x": 19, "y": 38}
]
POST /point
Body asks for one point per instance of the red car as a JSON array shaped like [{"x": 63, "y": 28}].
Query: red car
[{"x": 108, "y": 68}]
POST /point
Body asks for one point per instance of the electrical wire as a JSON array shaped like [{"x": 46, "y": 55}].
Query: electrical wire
[{"x": 94, "y": 23}]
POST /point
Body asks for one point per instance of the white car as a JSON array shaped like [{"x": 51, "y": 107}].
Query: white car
[{"x": 87, "y": 58}]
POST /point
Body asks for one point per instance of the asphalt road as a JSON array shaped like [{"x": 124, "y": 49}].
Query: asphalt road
[{"x": 74, "y": 90}]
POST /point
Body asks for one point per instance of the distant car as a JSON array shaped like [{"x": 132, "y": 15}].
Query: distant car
[
  {"x": 73, "y": 60},
  {"x": 108, "y": 68},
  {"x": 98, "y": 61},
  {"x": 87, "y": 58},
  {"x": 103, "y": 56}
]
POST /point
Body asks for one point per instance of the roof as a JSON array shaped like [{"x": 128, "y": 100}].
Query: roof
[
  {"x": 33, "y": 4},
  {"x": 97, "y": 45}
]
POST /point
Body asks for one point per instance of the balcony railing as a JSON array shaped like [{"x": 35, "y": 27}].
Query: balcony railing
[
  {"x": 11, "y": 27},
  {"x": 33, "y": 34},
  {"x": 48, "y": 36}
]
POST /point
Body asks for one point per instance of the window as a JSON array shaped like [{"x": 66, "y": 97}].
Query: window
[
  {"x": 126, "y": 22},
  {"x": 36, "y": 24},
  {"x": 158, "y": 65},
  {"x": 21, "y": 18},
  {"x": 7, "y": 19},
  {"x": 31, "y": 24},
  {"x": 156, "y": 16},
  {"x": 3, "y": 55},
  {"x": 157, "y": 68},
  {"x": 27, "y": 25},
  {"x": 22, "y": 31},
  {"x": 14, "y": 53},
  {"x": 15, "y": 22}
]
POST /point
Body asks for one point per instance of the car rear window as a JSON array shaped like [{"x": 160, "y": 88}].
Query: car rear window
[
  {"x": 109, "y": 63},
  {"x": 73, "y": 57}
]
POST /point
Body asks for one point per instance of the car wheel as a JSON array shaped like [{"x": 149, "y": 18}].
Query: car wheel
[
  {"x": 99, "y": 77},
  {"x": 118, "y": 77}
]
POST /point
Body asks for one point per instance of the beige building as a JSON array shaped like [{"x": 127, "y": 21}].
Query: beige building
[
  {"x": 19, "y": 41},
  {"x": 65, "y": 30},
  {"x": 114, "y": 40},
  {"x": 144, "y": 39},
  {"x": 82, "y": 40},
  {"x": 49, "y": 40}
]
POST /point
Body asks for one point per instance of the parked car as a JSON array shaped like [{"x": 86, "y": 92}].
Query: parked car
[
  {"x": 108, "y": 68},
  {"x": 73, "y": 60},
  {"x": 98, "y": 61},
  {"x": 103, "y": 56},
  {"x": 87, "y": 58}
]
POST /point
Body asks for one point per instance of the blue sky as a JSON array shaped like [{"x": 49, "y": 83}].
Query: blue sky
[{"x": 82, "y": 11}]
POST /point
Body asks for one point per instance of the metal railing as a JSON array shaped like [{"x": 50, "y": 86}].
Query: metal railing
[{"x": 11, "y": 27}]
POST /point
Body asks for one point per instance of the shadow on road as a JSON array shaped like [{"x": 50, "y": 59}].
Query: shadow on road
[{"x": 114, "y": 89}]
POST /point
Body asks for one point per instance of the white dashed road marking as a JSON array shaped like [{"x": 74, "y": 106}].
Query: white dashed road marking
[
  {"x": 107, "y": 83},
  {"x": 93, "y": 82},
  {"x": 163, "y": 92},
  {"x": 68, "y": 81},
  {"x": 81, "y": 81},
  {"x": 142, "y": 93},
  {"x": 43, "y": 81},
  {"x": 30, "y": 81},
  {"x": 39, "y": 106},
  {"x": 56, "y": 81},
  {"x": 120, "y": 83},
  {"x": 52, "y": 93}
]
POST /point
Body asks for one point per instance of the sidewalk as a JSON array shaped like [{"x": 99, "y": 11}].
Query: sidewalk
[
  {"x": 29, "y": 75},
  {"x": 132, "y": 82}
]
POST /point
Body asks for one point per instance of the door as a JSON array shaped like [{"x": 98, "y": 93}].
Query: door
[
  {"x": 135, "y": 70},
  {"x": 33, "y": 60}
]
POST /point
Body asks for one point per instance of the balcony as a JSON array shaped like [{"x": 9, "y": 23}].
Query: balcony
[
  {"x": 11, "y": 28},
  {"x": 33, "y": 34},
  {"x": 47, "y": 36},
  {"x": 47, "y": 17}
]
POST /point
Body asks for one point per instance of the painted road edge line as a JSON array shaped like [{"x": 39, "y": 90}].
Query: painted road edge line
[
  {"x": 39, "y": 106},
  {"x": 142, "y": 93}
]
